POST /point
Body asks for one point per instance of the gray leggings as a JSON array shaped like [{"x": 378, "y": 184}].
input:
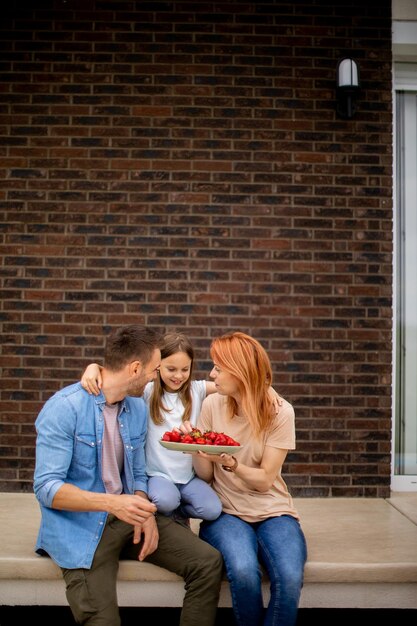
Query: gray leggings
[
  {"x": 92, "y": 593},
  {"x": 193, "y": 499}
]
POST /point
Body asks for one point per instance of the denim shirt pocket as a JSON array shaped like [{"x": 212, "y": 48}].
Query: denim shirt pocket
[
  {"x": 132, "y": 448},
  {"x": 135, "y": 467},
  {"x": 85, "y": 450}
]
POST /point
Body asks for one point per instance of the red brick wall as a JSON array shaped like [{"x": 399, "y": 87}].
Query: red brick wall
[{"x": 181, "y": 164}]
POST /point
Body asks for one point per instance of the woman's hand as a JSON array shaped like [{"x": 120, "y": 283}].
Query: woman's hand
[
  {"x": 91, "y": 379},
  {"x": 215, "y": 458},
  {"x": 203, "y": 463}
]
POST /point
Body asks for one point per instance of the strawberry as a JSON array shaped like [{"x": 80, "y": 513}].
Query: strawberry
[
  {"x": 221, "y": 440},
  {"x": 172, "y": 435},
  {"x": 230, "y": 441},
  {"x": 207, "y": 438}
]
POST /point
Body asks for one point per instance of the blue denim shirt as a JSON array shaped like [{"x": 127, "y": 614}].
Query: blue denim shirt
[{"x": 69, "y": 450}]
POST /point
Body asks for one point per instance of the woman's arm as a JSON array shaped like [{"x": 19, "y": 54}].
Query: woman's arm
[
  {"x": 262, "y": 478},
  {"x": 203, "y": 466},
  {"x": 259, "y": 479}
]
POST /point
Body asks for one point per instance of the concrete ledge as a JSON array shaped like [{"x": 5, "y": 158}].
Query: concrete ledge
[{"x": 362, "y": 554}]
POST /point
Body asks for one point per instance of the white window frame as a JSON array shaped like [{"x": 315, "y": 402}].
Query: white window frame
[{"x": 404, "y": 45}]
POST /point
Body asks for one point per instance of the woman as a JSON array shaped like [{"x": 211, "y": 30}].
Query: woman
[{"x": 259, "y": 525}]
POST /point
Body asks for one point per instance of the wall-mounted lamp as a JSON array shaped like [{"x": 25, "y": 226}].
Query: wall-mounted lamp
[{"x": 347, "y": 88}]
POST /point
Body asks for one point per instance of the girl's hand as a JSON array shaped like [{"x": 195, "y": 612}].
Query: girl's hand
[
  {"x": 185, "y": 427},
  {"x": 91, "y": 379}
]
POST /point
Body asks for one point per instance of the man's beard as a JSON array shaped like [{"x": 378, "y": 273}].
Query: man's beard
[{"x": 136, "y": 389}]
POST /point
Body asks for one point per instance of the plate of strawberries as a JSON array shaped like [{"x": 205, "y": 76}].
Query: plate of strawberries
[{"x": 208, "y": 441}]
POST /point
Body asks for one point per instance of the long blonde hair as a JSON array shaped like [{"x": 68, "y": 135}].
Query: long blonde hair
[
  {"x": 171, "y": 344},
  {"x": 245, "y": 358}
]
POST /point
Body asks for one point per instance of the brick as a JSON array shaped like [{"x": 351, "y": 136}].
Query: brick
[{"x": 192, "y": 172}]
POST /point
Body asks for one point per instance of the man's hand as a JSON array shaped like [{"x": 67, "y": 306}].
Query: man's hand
[
  {"x": 133, "y": 509},
  {"x": 148, "y": 531}
]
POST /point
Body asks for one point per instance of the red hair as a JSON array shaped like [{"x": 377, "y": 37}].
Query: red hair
[{"x": 245, "y": 358}]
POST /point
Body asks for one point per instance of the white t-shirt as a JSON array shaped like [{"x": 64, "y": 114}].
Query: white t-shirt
[{"x": 175, "y": 466}]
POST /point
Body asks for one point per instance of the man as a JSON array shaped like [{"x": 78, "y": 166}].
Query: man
[{"x": 91, "y": 485}]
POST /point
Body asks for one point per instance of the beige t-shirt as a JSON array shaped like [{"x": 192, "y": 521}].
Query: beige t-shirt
[{"x": 236, "y": 497}]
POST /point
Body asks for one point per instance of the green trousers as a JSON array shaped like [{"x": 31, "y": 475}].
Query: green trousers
[{"x": 92, "y": 593}]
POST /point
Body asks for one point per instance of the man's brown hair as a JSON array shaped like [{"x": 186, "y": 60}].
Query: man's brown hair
[{"x": 130, "y": 343}]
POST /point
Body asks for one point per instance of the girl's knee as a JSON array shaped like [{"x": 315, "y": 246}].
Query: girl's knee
[
  {"x": 166, "y": 505},
  {"x": 213, "y": 513}
]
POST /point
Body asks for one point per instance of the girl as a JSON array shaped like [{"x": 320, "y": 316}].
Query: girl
[{"x": 173, "y": 399}]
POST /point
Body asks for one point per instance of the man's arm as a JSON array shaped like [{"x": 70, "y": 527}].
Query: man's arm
[{"x": 132, "y": 509}]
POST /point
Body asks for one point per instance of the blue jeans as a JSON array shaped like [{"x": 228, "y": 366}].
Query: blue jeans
[
  {"x": 279, "y": 545},
  {"x": 193, "y": 499}
]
